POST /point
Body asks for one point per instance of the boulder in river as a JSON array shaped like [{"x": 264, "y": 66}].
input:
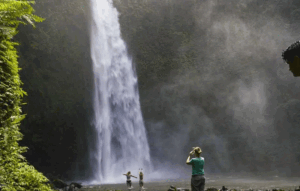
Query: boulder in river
[
  {"x": 172, "y": 188},
  {"x": 59, "y": 183},
  {"x": 71, "y": 187},
  {"x": 76, "y": 185},
  {"x": 292, "y": 57},
  {"x": 223, "y": 188},
  {"x": 211, "y": 189}
]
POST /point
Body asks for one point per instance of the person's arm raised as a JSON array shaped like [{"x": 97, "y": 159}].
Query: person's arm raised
[{"x": 188, "y": 160}]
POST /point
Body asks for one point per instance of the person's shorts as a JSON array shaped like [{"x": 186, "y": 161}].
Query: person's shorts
[{"x": 141, "y": 183}]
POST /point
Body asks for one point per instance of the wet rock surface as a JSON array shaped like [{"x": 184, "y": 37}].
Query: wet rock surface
[
  {"x": 212, "y": 184},
  {"x": 292, "y": 57}
]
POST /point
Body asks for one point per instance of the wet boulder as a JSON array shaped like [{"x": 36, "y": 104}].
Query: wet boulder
[
  {"x": 212, "y": 189},
  {"x": 292, "y": 57},
  {"x": 277, "y": 189},
  {"x": 71, "y": 187},
  {"x": 59, "y": 183},
  {"x": 76, "y": 185},
  {"x": 173, "y": 188},
  {"x": 223, "y": 189},
  {"x": 50, "y": 183}
]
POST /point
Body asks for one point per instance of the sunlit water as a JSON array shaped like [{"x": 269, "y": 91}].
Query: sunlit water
[{"x": 122, "y": 142}]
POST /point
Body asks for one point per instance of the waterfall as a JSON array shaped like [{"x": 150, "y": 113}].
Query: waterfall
[{"x": 121, "y": 140}]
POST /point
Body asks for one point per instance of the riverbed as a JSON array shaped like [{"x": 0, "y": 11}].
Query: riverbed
[{"x": 230, "y": 182}]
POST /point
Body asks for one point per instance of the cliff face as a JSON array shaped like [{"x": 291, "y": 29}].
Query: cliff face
[
  {"x": 57, "y": 74},
  {"x": 207, "y": 72},
  {"x": 210, "y": 74}
]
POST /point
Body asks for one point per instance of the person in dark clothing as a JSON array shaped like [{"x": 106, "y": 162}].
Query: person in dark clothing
[
  {"x": 128, "y": 175},
  {"x": 141, "y": 182},
  {"x": 198, "y": 179}
]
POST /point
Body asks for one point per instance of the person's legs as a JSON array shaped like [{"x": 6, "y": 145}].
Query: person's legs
[
  {"x": 195, "y": 183},
  {"x": 202, "y": 184},
  {"x": 141, "y": 184},
  {"x": 128, "y": 184}
]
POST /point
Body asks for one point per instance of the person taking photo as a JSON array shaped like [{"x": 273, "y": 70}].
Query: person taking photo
[{"x": 198, "y": 179}]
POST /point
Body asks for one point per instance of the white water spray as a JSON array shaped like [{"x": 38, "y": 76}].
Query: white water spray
[{"x": 122, "y": 142}]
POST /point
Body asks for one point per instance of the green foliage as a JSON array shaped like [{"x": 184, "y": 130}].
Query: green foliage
[
  {"x": 16, "y": 173},
  {"x": 15, "y": 12}
]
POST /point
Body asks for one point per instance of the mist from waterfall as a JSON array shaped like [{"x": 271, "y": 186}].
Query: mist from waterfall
[{"x": 122, "y": 143}]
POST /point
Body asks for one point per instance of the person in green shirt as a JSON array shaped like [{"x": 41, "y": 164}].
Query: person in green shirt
[{"x": 198, "y": 179}]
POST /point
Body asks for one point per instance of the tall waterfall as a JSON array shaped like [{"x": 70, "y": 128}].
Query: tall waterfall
[{"x": 122, "y": 142}]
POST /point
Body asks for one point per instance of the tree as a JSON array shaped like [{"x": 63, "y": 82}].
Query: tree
[{"x": 15, "y": 172}]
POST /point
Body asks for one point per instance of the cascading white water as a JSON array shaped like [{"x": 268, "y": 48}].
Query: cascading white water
[{"x": 122, "y": 141}]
